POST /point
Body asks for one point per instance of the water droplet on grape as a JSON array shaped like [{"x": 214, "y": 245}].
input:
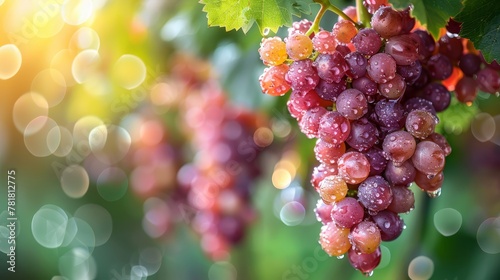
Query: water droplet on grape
[
  {"x": 368, "y": 273},
  {"x": 434, "y": 194},
  {"x": 344, "y": 127}
]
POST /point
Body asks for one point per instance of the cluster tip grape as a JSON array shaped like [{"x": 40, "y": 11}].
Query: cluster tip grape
[{"x": 370, "y": 98}]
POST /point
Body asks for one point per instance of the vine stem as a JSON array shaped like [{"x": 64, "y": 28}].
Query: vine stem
[
  {"x": 317, "y": 19},
  {"x": 362, "y": 13},
  {"x": 339, "y": 12}
]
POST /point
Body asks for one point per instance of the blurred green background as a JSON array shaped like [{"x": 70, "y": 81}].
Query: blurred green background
[{"x": 94, "y": 62}]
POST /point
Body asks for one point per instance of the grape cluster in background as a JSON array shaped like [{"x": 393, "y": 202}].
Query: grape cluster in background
[
  {"x": 204, "y": 167},
  {"x": 371, "y": 97}
]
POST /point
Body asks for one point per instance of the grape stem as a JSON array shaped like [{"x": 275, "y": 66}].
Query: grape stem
[
  {"x": 339, "y": 12},
  {"x": 315, "y": 26},
  {"x": 362, "y": 13},
  {"x": 325, "y": 6}
]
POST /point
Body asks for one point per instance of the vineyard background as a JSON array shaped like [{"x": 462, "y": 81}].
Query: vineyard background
[{"x": 459, "y": 231}]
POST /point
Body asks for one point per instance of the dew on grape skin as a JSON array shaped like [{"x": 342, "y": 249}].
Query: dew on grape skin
[
  {"x": 368, "y": 274},
  {"x": 434, "y": 194}
]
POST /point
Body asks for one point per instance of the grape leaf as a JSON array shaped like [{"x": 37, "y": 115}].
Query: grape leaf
[
  {"x": 268, "y": 14},
  {"x": 481, "y": 24},
  {"x": 431, "y": 13}
]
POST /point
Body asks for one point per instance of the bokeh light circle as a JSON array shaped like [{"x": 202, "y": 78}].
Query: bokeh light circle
[
  {"x": 164, "y": 94},
  {"x": 281, "y": 127},
  {"x": 99, "y": 219},
  {"x": 71, "y": 230},
  {"x": 48, "y": 226},
  {"x": 138, "y": 272},
  {"x": 132, "y": 123},
  {"x": 65, "y": 143},
  {"x": 263, "y": 137},
  {"x": 45, "y": 140},
  {"x": 292, "y": 213},
  {"x": 447, "y": 221},
  {"x": 76, "y": 12},
  {"x": 85, "y": 38},
  {"x": 109, "y": 144},
  {"x": 47, "y": 20},
  {"x": 85, "y": 65},
  {"x": 281, "y": 178},
  {"x": 74, "y": 181},
  {"x": 151, "y": 132},
  {"x": 50, "y": 83},
  {"x": 78, "y": 263},
  {"x": 156, "y": 221},
  {"x": 112, "y": 183},
  {"x": 421, "y": 268},
  {"x": 488, "y": 235},
  {"x": 496, "y": 136},
  {"x": 483, "y": 127},
  {"x": 83, "y": 127},
  {"x": 11, "y": 60},
  {"x": 151, "y": 259},
  {"x": 5, "y": 232},
  {"x": 222, "y": 270},
  {"x": 28, "y": 107},
  {"x": 4, "y": 237},
  {"x": 84, "y": 237},
  {"x": 129, "y": 71},
  {"x": 58, "y": 277},
  {"x": 63, "y": 61},
  {"x": 81, "y": 132},
  {"x": 98, "y": 4},
  {"x": 386, "y": 257}
]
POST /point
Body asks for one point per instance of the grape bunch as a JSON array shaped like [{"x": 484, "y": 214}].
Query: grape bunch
[
  {"x": 471, "y": 73},
  {"x": 370, "y": 96},
  {"x": 218, "y": 182},
  {"x": 201, "y": 168}
]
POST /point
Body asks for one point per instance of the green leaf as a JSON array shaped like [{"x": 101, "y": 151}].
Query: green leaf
[
  {"x": 268, "y": 14},
  {"x": 481, "y": 24},
  {"x": 433, "y": 14}
]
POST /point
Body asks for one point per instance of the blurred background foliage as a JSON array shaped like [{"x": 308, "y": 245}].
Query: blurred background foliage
[{"x": 459, "y": 232}]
